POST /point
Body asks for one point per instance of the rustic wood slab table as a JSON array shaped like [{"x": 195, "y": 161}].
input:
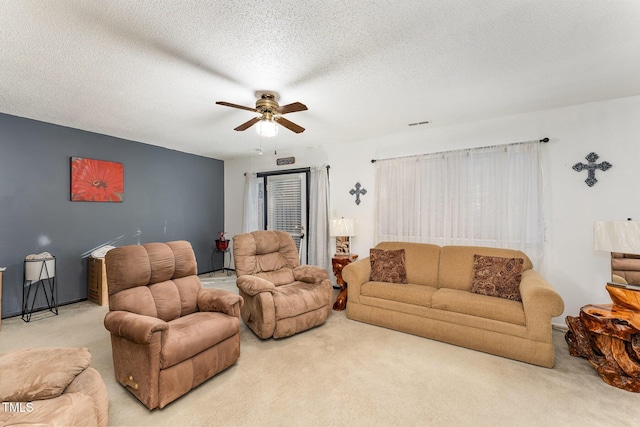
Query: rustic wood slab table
[
  {"x": 339, "y": 262},
  {"x": 608, "y": 336}
]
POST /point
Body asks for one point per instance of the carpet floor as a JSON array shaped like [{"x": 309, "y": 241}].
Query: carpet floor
[{"x": 347, "y": 373}]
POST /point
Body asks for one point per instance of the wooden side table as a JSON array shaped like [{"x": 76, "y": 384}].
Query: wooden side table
[
  {"x": 338, "y": 262},
  {"x": 608, "y": 336}
]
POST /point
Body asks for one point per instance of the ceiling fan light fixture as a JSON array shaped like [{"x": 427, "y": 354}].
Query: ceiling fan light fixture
[{"x": 267, "y": 128}]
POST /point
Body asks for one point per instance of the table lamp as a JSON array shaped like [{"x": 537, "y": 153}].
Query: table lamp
[{"x": 342, "y": 229}]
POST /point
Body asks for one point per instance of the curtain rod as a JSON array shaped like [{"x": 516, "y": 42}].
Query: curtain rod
[
  {"x": 286, "y": 171},
  {"x": 545, "y": 140}
]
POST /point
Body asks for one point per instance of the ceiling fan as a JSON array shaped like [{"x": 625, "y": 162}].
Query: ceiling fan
[{"x": 270, "y": 112}]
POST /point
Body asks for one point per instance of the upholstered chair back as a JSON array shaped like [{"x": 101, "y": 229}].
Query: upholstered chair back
[
  {"x": 157, "y": 279},
  {"x": 271, "y": 255},
  {"x": 625, "y": 268}
]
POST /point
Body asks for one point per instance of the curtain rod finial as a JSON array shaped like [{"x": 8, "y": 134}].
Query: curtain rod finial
[{"x": 544, "y": 140}]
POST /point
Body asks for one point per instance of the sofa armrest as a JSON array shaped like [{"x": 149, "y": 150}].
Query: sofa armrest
[
  {"x": 541, "y": 302},
  {"x": 133, "y": 327},
  {"x": 310, "y": 274},
  {"x": 356, "y": 274},
  {"x": 253, "y": 285},
  {"x": 219, "y": 300}
]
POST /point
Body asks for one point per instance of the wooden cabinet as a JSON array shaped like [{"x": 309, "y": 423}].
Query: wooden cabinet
[{"x": 98, "y": 292}]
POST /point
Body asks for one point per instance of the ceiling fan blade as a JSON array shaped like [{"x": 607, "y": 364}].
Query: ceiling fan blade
[
  {"x": 247, "y": 125},
  {"x": 228, "y": 104},
  {"x": 291, "y": 108},
  {"x": 289, "y": 124}
]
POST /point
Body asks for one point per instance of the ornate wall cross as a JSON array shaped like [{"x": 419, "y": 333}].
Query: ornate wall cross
[
  {"x": 591, "y": 168},
  {"x": 358, "y": 191}
]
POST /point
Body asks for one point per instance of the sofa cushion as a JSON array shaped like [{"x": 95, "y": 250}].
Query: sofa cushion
[
  {"x": 310, "y": 274},
  {"x": 406, "y": 293},
  {"x": 477, "y": 305},
  {"x": 422, "y": 261},
  {"x": 388, "y": 266},
  {"x": 497, "y": 276},
  {"x": 298, "y": 298},
  {"x": 40, "y": 373},
  {"x": 456, "y": 264},
  {"x": 189, "y": 335},
  {"x": 264, "y": 251},
  {"x": 282, "y": 276}
]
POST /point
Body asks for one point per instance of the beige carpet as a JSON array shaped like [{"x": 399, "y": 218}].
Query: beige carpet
[{"x": 350, "y": 373}]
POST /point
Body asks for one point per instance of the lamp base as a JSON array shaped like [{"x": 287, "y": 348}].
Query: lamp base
[{"x": 343, "y": 245}]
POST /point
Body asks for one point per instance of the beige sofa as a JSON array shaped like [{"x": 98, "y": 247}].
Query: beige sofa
[{"x": 437, "y": 303}]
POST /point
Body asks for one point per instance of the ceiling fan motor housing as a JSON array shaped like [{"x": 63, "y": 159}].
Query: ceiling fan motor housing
[{"x": 267, "y": 104}]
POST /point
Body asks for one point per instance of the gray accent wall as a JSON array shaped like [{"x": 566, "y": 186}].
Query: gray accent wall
[{"x": 168, "y": 195}]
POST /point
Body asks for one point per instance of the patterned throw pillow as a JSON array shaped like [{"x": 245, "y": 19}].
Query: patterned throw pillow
[
  {"x": 387, "y": 266},
  {"x": 497, "y": 276}
]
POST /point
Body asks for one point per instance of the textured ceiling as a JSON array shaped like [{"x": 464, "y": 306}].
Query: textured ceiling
[{"x": 151, "y": 71}]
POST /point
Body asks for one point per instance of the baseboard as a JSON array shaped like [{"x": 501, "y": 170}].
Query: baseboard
[
  {"x": 559, "y": 327},
  {"x": 41, "y": 309}
]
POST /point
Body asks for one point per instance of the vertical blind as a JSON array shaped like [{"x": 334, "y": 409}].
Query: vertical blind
[{"x": 284, "y": 205}]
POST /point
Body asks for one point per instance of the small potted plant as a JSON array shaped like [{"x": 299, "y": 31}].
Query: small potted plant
[{"x": 222, "y": 244}]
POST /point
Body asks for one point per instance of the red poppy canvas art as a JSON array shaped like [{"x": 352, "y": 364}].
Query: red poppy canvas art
[{"x": 96, "y": 180}]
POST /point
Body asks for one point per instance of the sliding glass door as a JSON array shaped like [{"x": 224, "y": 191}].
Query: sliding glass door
[{"x": 285, "y": 203}]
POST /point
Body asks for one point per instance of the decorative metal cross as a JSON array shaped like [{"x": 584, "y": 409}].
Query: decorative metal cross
[
  {"x": 358, "y": 192},
  {"x": 591, "y": 168}
]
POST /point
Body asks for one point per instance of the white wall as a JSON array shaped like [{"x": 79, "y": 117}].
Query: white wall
[{"x": 609, "y": 128}]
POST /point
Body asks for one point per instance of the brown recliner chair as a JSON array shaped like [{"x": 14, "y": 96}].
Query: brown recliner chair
[
  {"x": 168, "y": 333},
  {"x": 281, "y": 297}
]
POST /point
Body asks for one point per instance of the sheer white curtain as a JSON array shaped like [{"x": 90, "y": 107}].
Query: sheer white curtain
[
  {"x": 319, "y": 251},
  {"x": 251, "y": 220},
  {"x": 489, "y": 196}
]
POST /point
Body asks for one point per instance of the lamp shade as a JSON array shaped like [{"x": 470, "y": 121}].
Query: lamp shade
[
  {"x": 342, "y": 227},
  {"x": 617, "y": 236}
]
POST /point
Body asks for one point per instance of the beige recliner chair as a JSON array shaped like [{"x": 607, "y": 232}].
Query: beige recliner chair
[
  {"x": 51, "y": 387},
  {"x": 281, "y": 297},
  {"x": 168, "y": 333}
]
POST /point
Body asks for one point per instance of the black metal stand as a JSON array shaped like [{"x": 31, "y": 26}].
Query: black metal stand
[
  {"x": 35, "y": 277},
  {"x": 224, "y": 258}
]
